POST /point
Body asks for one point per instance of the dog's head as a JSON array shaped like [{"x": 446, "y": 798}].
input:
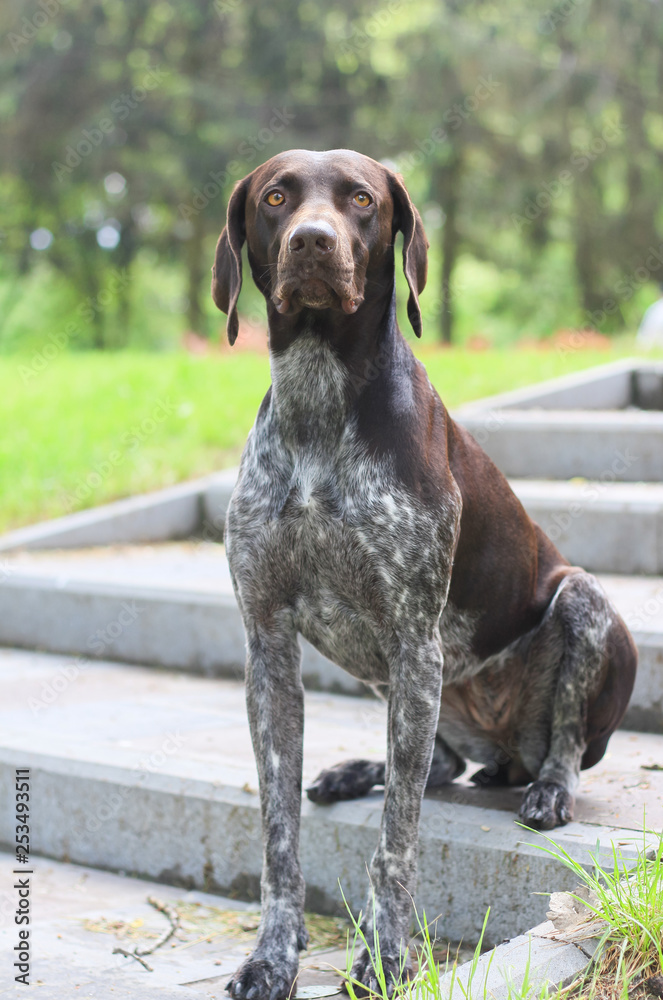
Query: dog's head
[{"x": 320, "y": 231}]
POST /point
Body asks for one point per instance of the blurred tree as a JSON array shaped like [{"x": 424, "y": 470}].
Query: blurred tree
[{"x": 531, "y": 135}]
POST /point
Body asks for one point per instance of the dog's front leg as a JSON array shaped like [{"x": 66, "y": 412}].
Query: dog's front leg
[
  {"x": 414, "y": 706},
  {"x": 275, "y": 702}
]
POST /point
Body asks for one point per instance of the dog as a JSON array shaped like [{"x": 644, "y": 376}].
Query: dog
[{"x": 369, "y": 522}]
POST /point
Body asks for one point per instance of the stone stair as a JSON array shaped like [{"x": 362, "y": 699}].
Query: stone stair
[
  {"x": 143, "y": 764},
  {"x": 151, "y": 773}
]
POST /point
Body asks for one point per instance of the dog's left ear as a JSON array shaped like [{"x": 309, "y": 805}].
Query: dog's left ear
[
  {"x": 415, "y": 248},
  {"x": 227, "y": 270}
]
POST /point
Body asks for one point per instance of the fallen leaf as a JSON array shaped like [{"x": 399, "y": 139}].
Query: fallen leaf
[{"x": 571, "y": 914}]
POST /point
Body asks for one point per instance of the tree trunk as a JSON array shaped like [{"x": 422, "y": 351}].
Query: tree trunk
[
  {"x": 446, "y": 183},
  {"x": 196, "y": 270}
]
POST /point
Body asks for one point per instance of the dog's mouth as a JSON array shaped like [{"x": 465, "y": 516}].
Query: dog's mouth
[{"x": 315, "y": 293}]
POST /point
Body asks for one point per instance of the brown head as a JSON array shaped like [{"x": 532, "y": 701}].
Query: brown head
[{"x": 320, "y": 230}]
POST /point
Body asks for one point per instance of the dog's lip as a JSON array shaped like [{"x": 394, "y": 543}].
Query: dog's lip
[
  {"x": 316, "y": 292},
  {"x": 315, "y": 288}
]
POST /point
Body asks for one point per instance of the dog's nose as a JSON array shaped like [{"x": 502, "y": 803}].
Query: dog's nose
[{"x": 316, "y": 239}]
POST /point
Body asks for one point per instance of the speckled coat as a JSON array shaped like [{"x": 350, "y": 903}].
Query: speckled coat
[{"x": 367, "y": 521}]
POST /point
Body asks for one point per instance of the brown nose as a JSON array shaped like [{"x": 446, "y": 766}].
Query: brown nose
[{"x": 312, "y": 239}]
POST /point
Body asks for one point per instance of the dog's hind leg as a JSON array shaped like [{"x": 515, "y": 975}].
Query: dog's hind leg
[
  {"x": 352, "y": 779},
  {"x": 590, "y": 688}
]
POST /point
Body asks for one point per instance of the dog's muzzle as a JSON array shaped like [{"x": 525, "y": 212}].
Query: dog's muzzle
[{"x": 312, "y": 273}]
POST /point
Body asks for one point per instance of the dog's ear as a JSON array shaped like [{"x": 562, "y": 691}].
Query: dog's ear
[
  {"x": 415, "y": 248},
  {"x": 227, "y": 270}
]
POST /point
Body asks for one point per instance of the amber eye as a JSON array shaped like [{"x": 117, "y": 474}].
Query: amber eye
[
  {"x": 362, "y": 199},
  {"x": 275, "y": 198}
]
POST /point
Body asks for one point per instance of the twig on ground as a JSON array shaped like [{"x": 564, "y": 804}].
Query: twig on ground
[
  {"x": 133, "y": 954},
  {"x": 173, "y": 916}
]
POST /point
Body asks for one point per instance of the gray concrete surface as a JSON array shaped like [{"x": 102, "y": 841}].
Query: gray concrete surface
[
  {"x": 152, "y": 773},
  {"x": 542, "y": 959},
  {"x": 172, "y": 605},
  {"x": 179, "y": 511},
  {"x": 81, "y": 914},
  {"x": 622, "y": 446},
  {"x": 605, "y": 527},
  {"x": 150, "y": 517},
  {"x": 613, "y": 386}
]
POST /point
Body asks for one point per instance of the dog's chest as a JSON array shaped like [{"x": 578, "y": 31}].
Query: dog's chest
[
  {"x": 320, "y": 527},
  {"x": 346, "y": 551}
]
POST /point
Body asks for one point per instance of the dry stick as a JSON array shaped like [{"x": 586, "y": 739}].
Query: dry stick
[
  {"x": 133, "y": 954},
  {"x": 173, "y": 917}
]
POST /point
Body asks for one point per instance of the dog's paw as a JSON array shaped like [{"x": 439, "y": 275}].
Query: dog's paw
[
  {"x": 365, "y": 979},
  {"x": 545, "y": 805},
  {"x": 350, "y": 780},
  {"x": 263, "y": 979}
]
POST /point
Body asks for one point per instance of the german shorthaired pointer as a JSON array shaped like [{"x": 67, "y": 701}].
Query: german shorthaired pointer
[{"x": 365, "y": 519}]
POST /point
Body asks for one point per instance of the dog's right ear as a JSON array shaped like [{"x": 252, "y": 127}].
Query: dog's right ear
[{"x": 227, "y": 270}]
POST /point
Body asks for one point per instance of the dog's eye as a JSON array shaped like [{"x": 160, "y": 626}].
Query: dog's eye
[
  {"x": 362, "y": 199},
  {"x": 275, "y": 198}
]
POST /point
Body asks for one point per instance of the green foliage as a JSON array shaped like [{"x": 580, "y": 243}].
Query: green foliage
[
  {"x": 531, "y": 137},
  {"x": 625, "y": 899},
  {"x": 87, "y": 427},
  {"x": 623, "y": 909}
]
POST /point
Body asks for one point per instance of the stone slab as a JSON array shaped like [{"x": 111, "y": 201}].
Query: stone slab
[
  {"x": 180, "y": 511},
  {"x": 603, "y": 526},
  {"x": 606, "y": 445},
  {"x": 613, "y": 386},
  {"x": 172, "y": 605},
  {"x": 150, "y": 517},
  {"x": 152, "y": 773},
  {"x": 536, "y": 956},
  {"x": 80, "y": 914}
]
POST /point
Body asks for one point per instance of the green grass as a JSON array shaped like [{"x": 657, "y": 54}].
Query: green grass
[
  {"x": 625, "y": 910},
  {"x": 92, "y": 427}
]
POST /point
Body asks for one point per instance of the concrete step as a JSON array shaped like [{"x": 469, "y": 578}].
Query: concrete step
[
  {"x": 605, "y": 424},
  {"x": 152, "y": 773},
  {"x": 79, "y": 915},
  {"x": 172, "y": 605},
  {"x": 606, "y": 445},
  {"x": 604, "y": 526}
]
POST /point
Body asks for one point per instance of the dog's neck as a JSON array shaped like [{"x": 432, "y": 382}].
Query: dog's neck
[{"x": 321, "y": 361}]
